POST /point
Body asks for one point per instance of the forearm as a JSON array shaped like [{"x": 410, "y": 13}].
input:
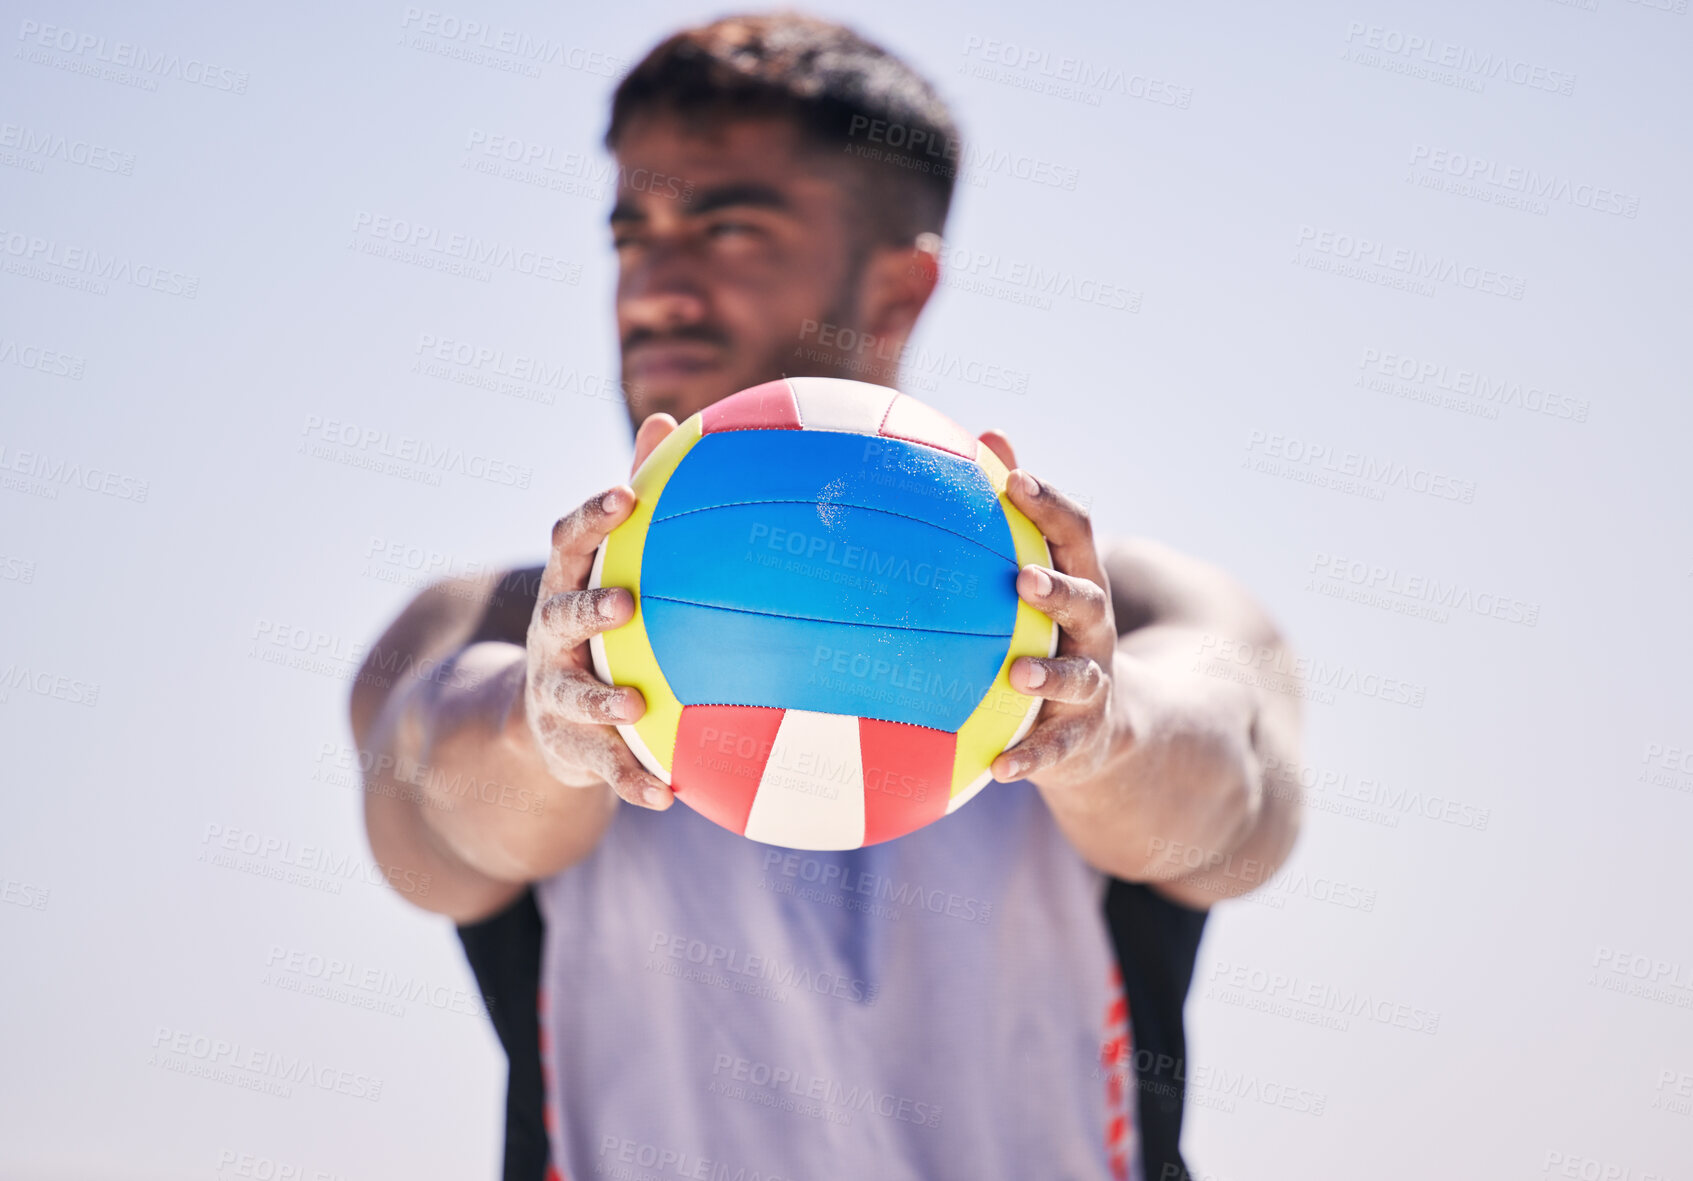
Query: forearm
[
  {"x": 1180, "y": 799},
  {"x": 457, "y": 789}
]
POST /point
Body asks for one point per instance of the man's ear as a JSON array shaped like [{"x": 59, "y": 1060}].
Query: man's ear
[{"x": 896, "y": 285}]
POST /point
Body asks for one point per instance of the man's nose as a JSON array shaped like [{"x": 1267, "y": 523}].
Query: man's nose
[{"x": 665, "y": 289}]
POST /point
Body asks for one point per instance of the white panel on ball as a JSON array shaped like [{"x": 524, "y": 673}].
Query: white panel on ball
[
  {"x": 812, "y": 793},
  {"x": 838, "y": 404}
]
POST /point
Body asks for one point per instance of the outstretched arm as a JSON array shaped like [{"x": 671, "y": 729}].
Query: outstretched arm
[{"x": 1158, "y": 766}]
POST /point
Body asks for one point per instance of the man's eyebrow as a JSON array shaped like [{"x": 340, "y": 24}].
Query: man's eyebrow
[
  {"x": 761, "y": 196},
  {"x": 736, "y": 195}
]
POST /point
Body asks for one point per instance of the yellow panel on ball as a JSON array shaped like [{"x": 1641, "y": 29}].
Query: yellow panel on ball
[
  {"x": 1004, "y": 715},
  {"x": 628, "y": 649}
]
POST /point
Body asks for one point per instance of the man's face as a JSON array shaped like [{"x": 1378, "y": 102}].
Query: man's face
[{"x": 728, "y": 240}]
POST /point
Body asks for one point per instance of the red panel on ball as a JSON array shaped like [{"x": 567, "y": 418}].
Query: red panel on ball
[
  {"x": 907, "y": 776},
  {"x": 767, "y": 407},
  {"x": 911, "y": 420},
  {"x": 720, "y": 755}
]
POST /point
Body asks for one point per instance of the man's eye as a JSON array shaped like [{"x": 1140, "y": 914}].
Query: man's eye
[{"x": 729, "y": 229}]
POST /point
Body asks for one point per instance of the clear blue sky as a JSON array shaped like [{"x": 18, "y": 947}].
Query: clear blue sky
[{"x": 1353, "y": 358}]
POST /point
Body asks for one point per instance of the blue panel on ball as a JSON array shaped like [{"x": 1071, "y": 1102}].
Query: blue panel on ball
[
  {"x": 863, "y": 567},
  {"x": 713, "y": 656},
  {"x": 836, "y": 468}
]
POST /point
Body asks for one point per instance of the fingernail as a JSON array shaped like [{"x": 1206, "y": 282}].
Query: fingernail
[
  {"x": 1015, "y": 768},
  {"x": 1031, "y": 486},
  {"x": 1042, "y": 581},
  {"x": 625, "y": 707},
  {"x": 607, "y": 606},
  {"x": 611, "y": 501},
  {"x": 1035, "y": 674},
  {"x": 653, "y": 797}
]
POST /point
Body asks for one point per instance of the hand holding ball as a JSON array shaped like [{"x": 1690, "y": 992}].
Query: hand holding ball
[{"x": 826, "y": 613}]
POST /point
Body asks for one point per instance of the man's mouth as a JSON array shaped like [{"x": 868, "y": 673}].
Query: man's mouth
[{"x": 655, "y": 360}]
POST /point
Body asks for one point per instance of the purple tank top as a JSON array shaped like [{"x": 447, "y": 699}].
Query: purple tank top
[{"x": 944, "y": 1005}]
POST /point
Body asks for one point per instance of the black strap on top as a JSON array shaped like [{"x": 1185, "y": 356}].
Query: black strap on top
[
  {"x": 1157, "y": 942},
  {"x": 505, "y": 953}
]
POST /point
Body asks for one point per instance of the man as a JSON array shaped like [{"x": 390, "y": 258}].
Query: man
[{"x": 949, "y": 1004}]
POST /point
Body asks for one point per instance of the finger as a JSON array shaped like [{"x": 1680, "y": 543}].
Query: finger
[
  {"x": 577, "y": 697},
  {"x": 583, "y": 756},
  {"x": 1000, "y": 445},
  {"x": 653, "y": 432},
  {"x": 569, "y": 618},
  {"x": 633, "y": 783},
  {"x": 1048, "y": 743},
  {"x": 1071, "y": 679},
  {"x": 1082, "y": 609},
  {"x": 1067, "y": 526},
  {"x": 578, "y": 534}
]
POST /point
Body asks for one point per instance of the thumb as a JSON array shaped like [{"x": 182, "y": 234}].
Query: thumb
[{"x": 653, "y": 431}]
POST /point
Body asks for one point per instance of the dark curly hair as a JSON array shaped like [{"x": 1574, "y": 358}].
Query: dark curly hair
[{"x": 846, "y": 94}]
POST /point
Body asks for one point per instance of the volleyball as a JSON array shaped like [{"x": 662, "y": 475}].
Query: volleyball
[{"x": 824, "y": 574}]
